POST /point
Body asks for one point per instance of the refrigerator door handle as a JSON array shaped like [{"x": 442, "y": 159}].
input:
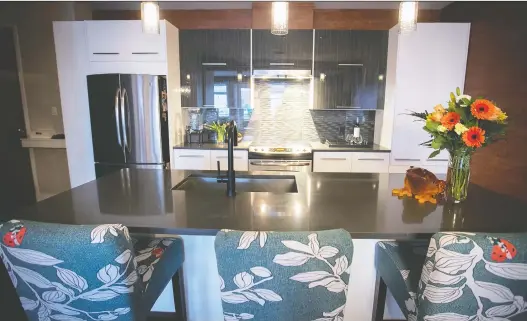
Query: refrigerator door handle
[
  {"x": 123, "y": 120},
  {"x": 117, "y": 126}
]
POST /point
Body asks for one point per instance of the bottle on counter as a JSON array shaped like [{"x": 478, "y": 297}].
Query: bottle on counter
[{"x": 357, "y": 138}]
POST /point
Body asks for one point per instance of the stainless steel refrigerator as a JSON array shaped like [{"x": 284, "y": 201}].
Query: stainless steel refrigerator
[{"x": 129, "y": 122}]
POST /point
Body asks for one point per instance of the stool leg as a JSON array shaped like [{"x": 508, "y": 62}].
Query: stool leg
[
  {"x": 379, "y": 299},
  {"x": 179, "y": 295}
]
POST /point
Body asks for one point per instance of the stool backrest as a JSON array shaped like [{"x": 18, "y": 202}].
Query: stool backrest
[
  {"x": 71, "y": 272},
  {"x": 283, "y": 275},
  {"x": 474, "y": 276}
]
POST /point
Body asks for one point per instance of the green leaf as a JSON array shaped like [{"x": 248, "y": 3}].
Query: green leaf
[
  {"x": 431, "y": 125},
  {"x": 458, "y": 91},
  {"x": 436, "y": 145},
  {"x": 434, "y": 153}
]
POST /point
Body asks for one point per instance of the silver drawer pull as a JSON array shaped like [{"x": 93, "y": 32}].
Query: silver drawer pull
[
  {"x": 281, "y": 64},
  {"x": 145, "y": 53},
  {"x": 191, "y": 156},
  {"x": 235, "y": 157},
  {"x": 105, "y": 53},
  {"x": 336, "y": 158},
  {"x": 407, "y": 159},
  {"x": 437, "y": 160},
  {"x": 371, "y": 159}
]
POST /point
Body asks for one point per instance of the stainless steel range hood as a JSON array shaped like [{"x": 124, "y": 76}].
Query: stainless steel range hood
[{"x": 281, "y": 74}]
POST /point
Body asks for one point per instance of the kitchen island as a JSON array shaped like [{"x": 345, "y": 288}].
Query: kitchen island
[
  {"x": 359, "y": 203},
  {"x": 144, "y": 200}
]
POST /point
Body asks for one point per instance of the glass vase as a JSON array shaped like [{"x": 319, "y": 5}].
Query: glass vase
[
  {"x": 220, "y": 137},
  {"x": 458, "y": 176}
]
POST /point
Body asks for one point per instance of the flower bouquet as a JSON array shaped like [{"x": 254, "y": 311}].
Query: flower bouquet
[{"x": 466, "y": 125}]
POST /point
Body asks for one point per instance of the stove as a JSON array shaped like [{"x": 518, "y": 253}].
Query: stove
[{"x": 291, "y": 157}]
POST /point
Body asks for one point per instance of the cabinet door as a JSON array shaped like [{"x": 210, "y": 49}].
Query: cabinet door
[
  {"x": 294, "y": 50},
  {"x": 124, "y": 41},
  {"x": 424, "y": 78},
  {"x": 349, "y": 68},
  {"x": 335, "y": 162},
  {"x": 215, "y": 68},
  {"x": 370, "y": 162},
  {"x": 241, "y": 160},
  {"x": 191, "y": 159}
]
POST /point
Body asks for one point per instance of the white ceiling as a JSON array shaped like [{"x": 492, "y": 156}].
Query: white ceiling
[{"x": 219, "y": 5}]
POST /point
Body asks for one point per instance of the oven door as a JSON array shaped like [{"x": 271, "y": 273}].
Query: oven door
[{"x": 280, "y": 165}]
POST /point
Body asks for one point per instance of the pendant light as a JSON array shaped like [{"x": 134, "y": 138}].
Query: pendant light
[
  {"x": 407, "y": 16},
  {"x": 280, "y": 17},
  {"x": 150, "y": 17}
]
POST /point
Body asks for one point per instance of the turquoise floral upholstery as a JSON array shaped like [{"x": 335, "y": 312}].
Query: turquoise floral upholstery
[
  {"x": 469, "y": 276},
  {"x": 473, "y": 277},
  {"x": 399, "y": 264},
  {"x": 157, "y": 261},
  {"x": 80, "y": 272},
  {"x": 284, "y": 276}
]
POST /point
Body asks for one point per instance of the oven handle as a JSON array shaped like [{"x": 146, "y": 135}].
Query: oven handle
[{"x": 284, "y": 164}]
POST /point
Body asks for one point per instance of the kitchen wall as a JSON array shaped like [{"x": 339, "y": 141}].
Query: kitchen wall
[
  {"x": 282, "y": 113},
  {"x": 496, "y": 69},
  {"x": 33, "y": 22}
]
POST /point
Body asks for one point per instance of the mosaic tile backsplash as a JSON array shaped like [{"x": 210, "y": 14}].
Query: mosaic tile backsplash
[{"x": 282, "y": 113}]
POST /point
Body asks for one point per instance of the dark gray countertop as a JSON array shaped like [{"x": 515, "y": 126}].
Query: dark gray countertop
[
  {"x": 360, "y": 203},
  {"x": 319, "y": 147},
  {"x": 211, "y": 146}
]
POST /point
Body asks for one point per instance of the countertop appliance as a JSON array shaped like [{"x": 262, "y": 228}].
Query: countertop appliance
[
  {"x": 289, "y": 157},
  {"x": 129, "y": 122}
]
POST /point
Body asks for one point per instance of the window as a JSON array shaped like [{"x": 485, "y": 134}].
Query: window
[{"x": 220, "y": 99}]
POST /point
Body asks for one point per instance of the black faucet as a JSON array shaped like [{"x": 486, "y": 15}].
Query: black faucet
[{"x": 232, "y": 140}]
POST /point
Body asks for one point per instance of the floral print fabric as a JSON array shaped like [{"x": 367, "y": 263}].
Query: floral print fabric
[
  {"x": 399, "y": 264},
  {"x": 474, "y": 277},
  {"x": 85, "y": 272},
  {"x": 64, "y": 272},
  {"x": 284, "y": 275}
]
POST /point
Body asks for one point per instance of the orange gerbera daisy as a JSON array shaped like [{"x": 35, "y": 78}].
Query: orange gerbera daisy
[
  {"x": 474, "y": 137},
  {"x": 483, "y": 109},
  {"x": 450, "y": 120}
]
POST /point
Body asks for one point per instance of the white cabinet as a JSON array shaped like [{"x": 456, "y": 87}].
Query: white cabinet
[
  {"x": 336, "y": 162},
  {"x": 370, "y": 162},
  {"x": 241, "y": 160},
  {"x": 426, "y": 65},
  {"x": 351, "y": 162},
  {"x": 124, "y": 41},
  {"x": 191, "y": 159},
  {"x": 204, "y": 159}
]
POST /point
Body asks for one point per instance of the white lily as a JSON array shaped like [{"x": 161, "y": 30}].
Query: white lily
[{"x": 460, "y": 97}]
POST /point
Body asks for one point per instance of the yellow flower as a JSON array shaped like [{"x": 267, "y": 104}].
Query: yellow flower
[
  {"x": 498, "y": 115},
  {"x": 441, "y": 129},
  {"x": 439, "y": 109},
  {"x": 435, "y": 116},
  {"x": 460, "y": 128}
]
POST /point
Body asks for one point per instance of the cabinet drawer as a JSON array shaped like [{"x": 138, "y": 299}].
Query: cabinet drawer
[
  {"x": 332, "y": 162},
  {"x": 191, "y": 159},
  {"x": 124, "y": 41},
  {"x": 370, "y": 162},
  {"x": 241, "y": 160}
]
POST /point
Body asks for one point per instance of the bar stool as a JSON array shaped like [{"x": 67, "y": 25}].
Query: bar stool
[
  {"x": 86, "y": 272},
  {"x": 283, "y": 276},
  {"x": 461, "y": 276}
]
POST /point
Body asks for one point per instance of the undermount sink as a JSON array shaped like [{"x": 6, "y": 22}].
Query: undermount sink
[{"x": 276, "y": 184}]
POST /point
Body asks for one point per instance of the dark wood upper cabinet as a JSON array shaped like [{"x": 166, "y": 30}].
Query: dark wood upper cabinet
[
  {"x": 215, "y": 67},
  {"x": 350, "y": 69},
  {"x": 294, "y": 50}
]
